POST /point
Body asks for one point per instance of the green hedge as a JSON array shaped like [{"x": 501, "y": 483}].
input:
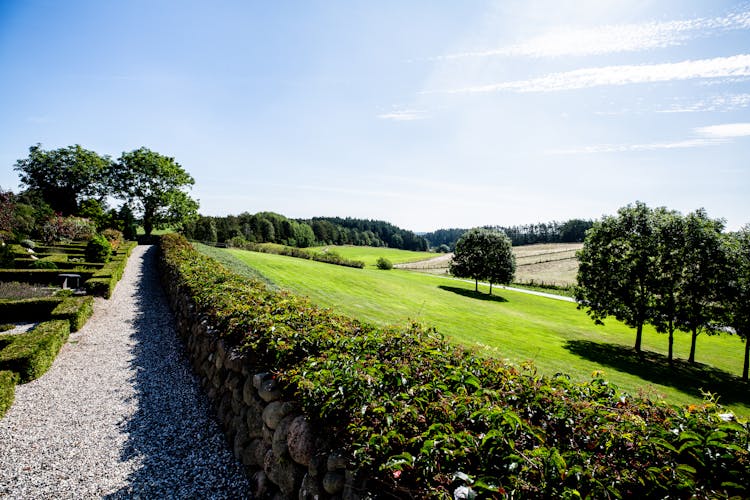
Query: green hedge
[
  {"x": 75, "y": 310},
  {"x": 28, "y": 309},
  {"x": 421, "y": 417},
  {"x": 102, "y": 283},
  {"x": 38, "y": 276},
  {"x": 8, "y": 382},
  {"x": 31, "y": 354}
]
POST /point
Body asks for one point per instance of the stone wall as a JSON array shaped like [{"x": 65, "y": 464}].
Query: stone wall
[{"x": 283, "y": 455}]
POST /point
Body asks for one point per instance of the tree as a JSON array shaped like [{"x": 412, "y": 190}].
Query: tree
[
  {"x": 616, "y": 266},
  {"x": 669, "y": 246},
  {"x": 64, "y": 176},
  {"x": 736, "y": 294},
  {"x": 483, "y": 254},
  {"x": 153, "y": 184},
  {"x": 703, "y": 264}
]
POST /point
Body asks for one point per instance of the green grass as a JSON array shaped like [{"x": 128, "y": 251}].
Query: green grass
[
  {"x": 518, "y": 327},
  {"x": 370, "y": 255}
]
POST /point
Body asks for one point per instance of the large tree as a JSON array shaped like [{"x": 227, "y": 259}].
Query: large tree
[
  {"x": 616, "y": 268},
  {"x": 736, "y": 296},
  {"x": 483, "y": 254},
  {"x": 64, "y": 176},
  {"x": 703, "y": 263},
  {"x": 153, "y": 184}
]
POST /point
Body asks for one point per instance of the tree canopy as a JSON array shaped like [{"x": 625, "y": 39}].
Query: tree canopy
[
  {"x": 64, "y": 176},
  {"x": 153, "y": 185},
  {"x": 483, "y": 254}
]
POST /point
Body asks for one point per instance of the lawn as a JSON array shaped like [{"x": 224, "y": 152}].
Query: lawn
[
  {"x": 518, "y": 327},
  {"x": 370, "y": 255}
]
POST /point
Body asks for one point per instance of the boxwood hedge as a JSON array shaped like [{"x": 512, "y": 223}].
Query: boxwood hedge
[
  {"x": 8, "y": 381},
  {"x": 31, "y": 354},
  {"x": 424, "y": 418}
]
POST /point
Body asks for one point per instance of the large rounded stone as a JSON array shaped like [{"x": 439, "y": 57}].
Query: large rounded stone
[
  {"x": 300, "y": 441},
  {"x": 280, "y": 437},
  {"x": 269, "y": 390},
  {"x": 284, "y": 473},
  {"x": 333, "y": 482},
  {"x": 309, "y": 489},
  {"x": 275, "y": 411}
]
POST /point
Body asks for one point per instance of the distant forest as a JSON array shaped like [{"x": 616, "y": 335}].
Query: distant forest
[
  {"x": 572, "y": 231},
  {"x": 270, "y": 227}
]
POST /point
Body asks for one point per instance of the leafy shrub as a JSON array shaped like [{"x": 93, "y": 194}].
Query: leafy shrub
[
  {"x": 330, "y": 257},
  {"x": 6, "y": 255},
  {"x": 114, "y": 237},
  {"x": 98, "y": 249},
  {"x": 4, "y": 327},
  {"x": 30, "y": 355},
  {"x": 28, "y": 309},
  {"x": 76, "y": 310},
  {"x": 66, "y": 229},
  {"x": 384, "y": 264},
  {"x": 28, "y": 244},
  {"x": 423, "y": 418},
  {"x": 43, "y": 264}
]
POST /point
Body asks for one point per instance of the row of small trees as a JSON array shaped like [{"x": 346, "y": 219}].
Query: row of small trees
[
  {"x": 675, "y": 272},
  {"x": 71, "y": 179}
]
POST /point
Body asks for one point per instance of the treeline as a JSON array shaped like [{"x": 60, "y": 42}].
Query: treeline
[
  {"x": 270, "y": 227},
  {"x": 571, "y": 231}
]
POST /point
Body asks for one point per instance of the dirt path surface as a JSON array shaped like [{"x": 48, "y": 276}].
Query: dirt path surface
[{"x": 119, "y": 414}]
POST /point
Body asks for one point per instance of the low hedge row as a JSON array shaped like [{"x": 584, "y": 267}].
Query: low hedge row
[
  {"x": 102, "y": 282},
  {"x": 31, "y": 354},
  {"x": 74, "y": 310},
  {"x": 38, "y": 276},
  {"x": 327, "y": 257},
  {"x": 28, "y": 309},
  {"x": 423, "y": 418},
  {"x": 8, "y": 382}
]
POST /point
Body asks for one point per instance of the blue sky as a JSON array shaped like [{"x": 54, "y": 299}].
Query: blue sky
[{"x": 427, "y": 114}]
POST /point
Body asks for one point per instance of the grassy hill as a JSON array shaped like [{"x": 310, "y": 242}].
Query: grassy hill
[{"x": 516, "y": 326}]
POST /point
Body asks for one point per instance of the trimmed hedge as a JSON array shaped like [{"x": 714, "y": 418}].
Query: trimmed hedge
[
  {"x": 28, "y": 309},
  {"x": 40, "y": 276},
  {"x": 301, "y": 253},
  {"x": 31, "y": 354},
  {"x": 102, "y": 282},
  {"x": 423, "y": 418},
  {"x": 8, "y": 381},
  {"x": 75, "y": 310}
]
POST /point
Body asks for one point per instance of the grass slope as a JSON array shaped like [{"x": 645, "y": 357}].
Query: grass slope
[
  {"x": 370, "y": 255},
  {"x": 517, "y": 326}
]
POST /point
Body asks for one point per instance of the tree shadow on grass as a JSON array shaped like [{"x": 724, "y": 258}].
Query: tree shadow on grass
[
  {"x": 690, "y": 378},
  {"x": 472, "y": 294}
]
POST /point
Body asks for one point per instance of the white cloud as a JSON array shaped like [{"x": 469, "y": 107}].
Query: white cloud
[
  {"x": 403, "y": 115},
  {"x": 613, "y": 38},
  {"x": 719, "y": 67},
  {"x": 712, "y": 135},
  {"x": 721, "y": 103}
]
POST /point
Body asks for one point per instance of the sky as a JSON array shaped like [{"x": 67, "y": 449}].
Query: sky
[{"x": 427, "y": 114}]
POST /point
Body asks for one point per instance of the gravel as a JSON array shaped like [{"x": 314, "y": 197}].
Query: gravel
[{"x": 119, "y": 414}]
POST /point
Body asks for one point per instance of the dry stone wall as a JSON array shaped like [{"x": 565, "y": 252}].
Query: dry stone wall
[{"x": 283, "y": 455}]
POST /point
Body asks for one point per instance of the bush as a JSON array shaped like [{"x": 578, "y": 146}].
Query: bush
[
  {"x": 384, "y": 264},
  {"x": 28, "y": 309},
  {"x": 4, "y": 327},
  {"x": 98, "y": 249},
  {"x": 114, "y": 237},
  {"x": 8, "y": 382},
  {"x": 66, "y": 229},
  {"x": 30, "y": 355},
  {"x": 43, "y": 264},
  {"x": 422, "y": 417},
  {"x": 28, "y": 244},
  {"x": 75, "y": 310}
]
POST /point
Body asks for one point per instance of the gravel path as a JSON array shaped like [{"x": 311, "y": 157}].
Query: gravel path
[{"x": 119, "y": 414}]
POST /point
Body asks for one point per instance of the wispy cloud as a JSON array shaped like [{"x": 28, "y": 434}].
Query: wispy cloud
[
  {"x": 712, "y": 135},
  {"x": 613, "y": 38},
  {"x": 718, "y": 67},
  {"x": 721, "y": 103},
  {"x": 404, "y": 115}
]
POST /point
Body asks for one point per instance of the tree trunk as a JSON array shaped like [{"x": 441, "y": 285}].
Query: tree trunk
[
  {"x": 671, "y": 343},
  {"x": 476, "y": 285},
  {"x": 638, "y": 337},
  {"x": 692, "y": 345},
  {"x": 747, "y": 358},
  {"x": 490, "y": 288}
]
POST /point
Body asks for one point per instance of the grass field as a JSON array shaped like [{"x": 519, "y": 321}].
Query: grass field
[
  {"x": 517, "y": 327},
  {"x": 370, "y": 255}
]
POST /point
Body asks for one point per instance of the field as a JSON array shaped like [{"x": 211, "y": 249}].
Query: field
[
  {"x": 370, "y": 255},
  {"x": 516, "y": 326},
  {"x": 548, "y": 264}
]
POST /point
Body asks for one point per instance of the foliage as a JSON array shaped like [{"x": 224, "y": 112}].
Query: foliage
[
  {"x": 98, "y": 249},
  {"x": 114, "y": 237},
  {"x": 153, "y": 184},
  {"x": 27, "y": 244},
  {"x": 64, "y": 176},
  {"x": 384, "y": 264},
  {"x": 16, "y": 290},
  {"x": 422, "y": 418},
  {"x": 571, "y": 231},
  {"x": 59, "y": 229},
  {"x": 482, "y": 254},
  {"x": 736, "y": 294},
  {"x": 75, "y": 310},
  {"x": 616, "y": 267},
  {"x": 328, "y": 257},
  {"x": 30, "y": 355},
  {"x": 43, "y": 264},
  {"x": 7, "y": 211},
  {"x": 8, "y": 382}
]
